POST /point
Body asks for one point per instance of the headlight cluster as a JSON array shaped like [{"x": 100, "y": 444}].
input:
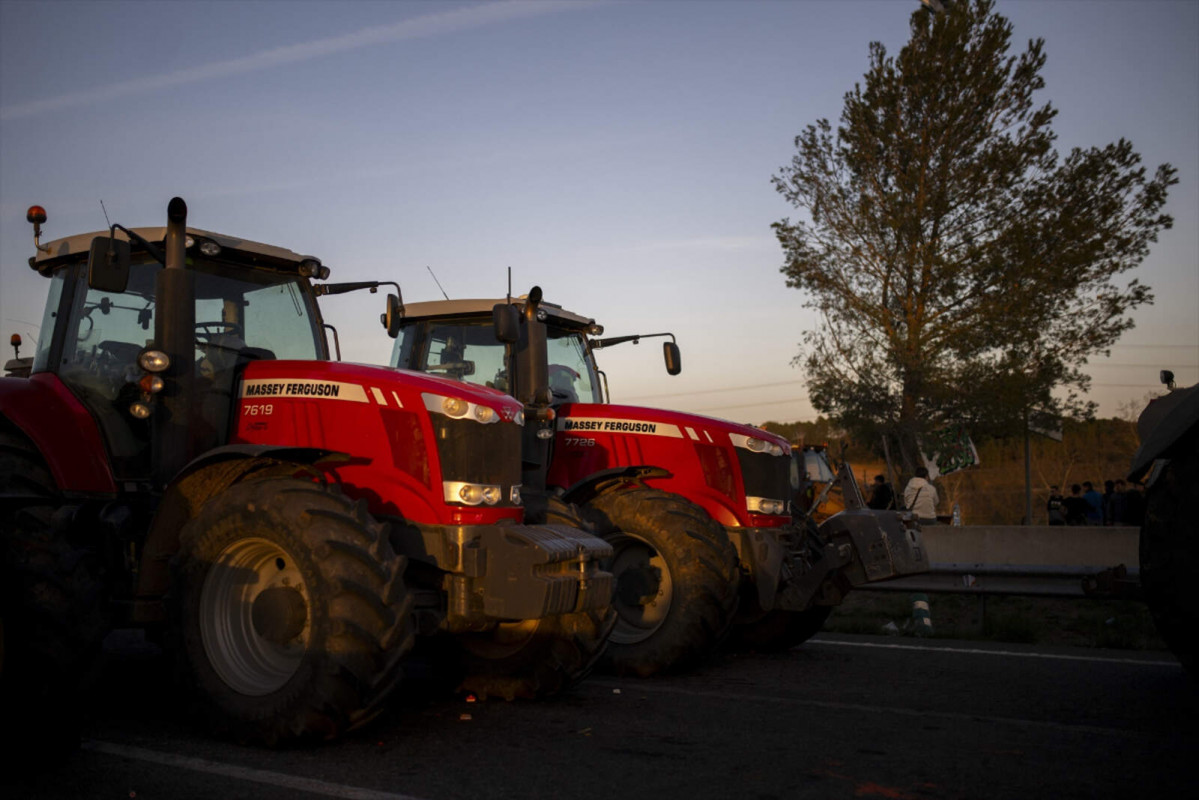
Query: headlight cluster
[
  {"x": 474, "y": 494},
  {"x": 153, "y": 362},
  {"x": 457, "y": 408},
  {"x": 764, "y": 505},
  {"x": 756, "y": 445}
]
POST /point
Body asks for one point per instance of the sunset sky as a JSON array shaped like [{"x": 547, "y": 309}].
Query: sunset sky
[{"x": 618, "y": 154}]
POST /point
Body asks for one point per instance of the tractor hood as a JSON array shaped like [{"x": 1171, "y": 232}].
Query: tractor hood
[
  {"x": 596, "y": 418},
  {"x": 364, "y": 383}
]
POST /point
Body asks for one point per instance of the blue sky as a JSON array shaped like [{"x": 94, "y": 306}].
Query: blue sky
[{"x": 617, "y": 154}]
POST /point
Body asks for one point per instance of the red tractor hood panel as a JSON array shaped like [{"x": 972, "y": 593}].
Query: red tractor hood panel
[{"x": 703, "y": 455}]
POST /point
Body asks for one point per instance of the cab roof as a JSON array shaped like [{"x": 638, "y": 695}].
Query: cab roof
[
  {"x": 72, "y": 248},
  {"x": 483, "y": 306}
]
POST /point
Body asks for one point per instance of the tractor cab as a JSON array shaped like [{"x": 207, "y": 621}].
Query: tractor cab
[
  {"x": 251, "y": 302},
  {"x": 458, "y": 339}
]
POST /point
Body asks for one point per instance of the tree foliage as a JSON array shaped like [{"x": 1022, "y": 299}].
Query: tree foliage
[{"x": 963, "y": 270}]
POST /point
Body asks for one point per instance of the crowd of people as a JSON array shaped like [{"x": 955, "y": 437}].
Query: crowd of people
[
  {"x": 1120, "y": 503},
  {"x": 920, "y": 496}
]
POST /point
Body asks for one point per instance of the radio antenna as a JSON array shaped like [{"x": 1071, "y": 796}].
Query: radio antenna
[
  {"x": 509, "y": 285},
  {"x": 443, "y": 294},
  {"x": 105, "y": 210}
]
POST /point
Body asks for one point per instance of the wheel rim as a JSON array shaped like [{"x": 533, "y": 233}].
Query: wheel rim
[
  {"x": 232, "y": 623},
  {"x": 644, "y": 589}
]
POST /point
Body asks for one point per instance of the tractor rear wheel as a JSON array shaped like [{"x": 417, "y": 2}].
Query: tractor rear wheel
[
  {"x": 52, "y": 619},
  {"x": 291, "y": 611},
  {"x": 676, "y": 579},
  {"x": 780, "y": 630},
  {"x": 1170, "y": 552},
  {"x": 539, "y": 657}
]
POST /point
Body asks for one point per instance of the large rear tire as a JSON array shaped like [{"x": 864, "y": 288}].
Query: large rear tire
[
  {"x": 52, "y": 619},
  {"x": 292, "y": 610},
  {"x": 536, "y": 658},
  {"x": 1169, "y": 552},
  {"x": 676, "y": 578}
]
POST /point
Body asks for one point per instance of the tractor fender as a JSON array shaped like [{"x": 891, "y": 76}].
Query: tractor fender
[
  {"x": 71, "y": 446},
  {"x": 1164, "y": 422},
  {"x": 202, "y": 478},
  {"x": 606, "y": 480}
]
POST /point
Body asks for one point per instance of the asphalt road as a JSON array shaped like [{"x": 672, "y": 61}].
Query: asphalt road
[{"x": 840, "y": 717}]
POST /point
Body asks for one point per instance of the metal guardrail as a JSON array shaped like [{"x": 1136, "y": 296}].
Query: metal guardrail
[{"x": 1035, "y": 560}]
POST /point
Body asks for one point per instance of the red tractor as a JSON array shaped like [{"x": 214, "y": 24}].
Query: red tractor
[
  {"x": 185, "y": 457},
  {"x": 697, "y": 509}
]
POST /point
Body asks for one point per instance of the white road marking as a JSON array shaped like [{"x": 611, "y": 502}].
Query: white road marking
[
  {"x": 279, "y": 779},
  {"x": 632, "y": 687},
  {"x": 980, "y": 651}
]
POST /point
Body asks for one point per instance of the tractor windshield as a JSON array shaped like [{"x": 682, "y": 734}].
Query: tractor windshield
[
  {"x": 467, "y": 350},
  {"x": 572, "y": 377},
  {"x": 463, "y": 350},
  {"x": 240, "y": 314}
]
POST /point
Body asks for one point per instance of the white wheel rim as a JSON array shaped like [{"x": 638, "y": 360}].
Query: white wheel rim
[
  {"x": 246, "y": 661},
  {"x": 638, "y": 621}
]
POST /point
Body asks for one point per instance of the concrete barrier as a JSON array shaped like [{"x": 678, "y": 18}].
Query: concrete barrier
[{"x": 1032, "y": 545}]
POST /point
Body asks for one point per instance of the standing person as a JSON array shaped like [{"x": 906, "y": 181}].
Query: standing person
[
  {"x": 1109, "y": 495},
  {"x": 1094, "y": 503},
  {"x": 920, "y": 497},
  {"x": 1076, "y": 507},
  {"x": 1119, "y": 503},
  {"x": 881, "y": 496},
  {"x": 1056, "y": 507}
]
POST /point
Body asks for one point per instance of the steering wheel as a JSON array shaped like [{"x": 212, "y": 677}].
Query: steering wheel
[
  {"x": 124, "y": 352},
  {"x": 206, "y": 332}
]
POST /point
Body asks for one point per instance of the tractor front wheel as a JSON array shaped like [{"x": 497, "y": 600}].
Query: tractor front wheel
[
  {"x": 676, "y": 579},
  {"x": 538, "y": 657},
  {"x": 292, "y": 611},
  {"x": 52, "y": 619}
]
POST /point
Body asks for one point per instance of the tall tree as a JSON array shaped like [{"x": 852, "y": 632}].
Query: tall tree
[{"x": 962, "y": 269}]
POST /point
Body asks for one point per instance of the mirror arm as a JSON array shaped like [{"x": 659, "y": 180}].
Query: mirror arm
[
  {"x": 153, "y": 249},
  {"x": 635, "y": 339},
  {"x": 341, "y": 288}
]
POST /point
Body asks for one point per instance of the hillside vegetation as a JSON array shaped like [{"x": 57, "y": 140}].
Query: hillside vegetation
[{"x": 993, "y": 492}]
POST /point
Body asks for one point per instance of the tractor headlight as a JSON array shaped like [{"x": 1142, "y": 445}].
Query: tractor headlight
[
  {"x": 454, "y": 407},
  {"x": 150, "y": 384},
  {"x": 765, "y": 505},
  {"x": 474, "y": 494},
  {"x": 154, "y": 361},
  {"x": 457, "y": 408},
  {"x": 756, "y": 445}
]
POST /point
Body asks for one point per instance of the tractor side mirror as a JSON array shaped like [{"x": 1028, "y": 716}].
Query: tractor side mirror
[
  {"x": 108, "y": 264},
  {"x": 506, "y": 321},
  {"x": 673, "y": 358},
  {"x": 393, "y": 316}
]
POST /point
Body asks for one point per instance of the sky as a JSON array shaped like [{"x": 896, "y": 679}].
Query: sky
[{"x": 618, "y": 154}]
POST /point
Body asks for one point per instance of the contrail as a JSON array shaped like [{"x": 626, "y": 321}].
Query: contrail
[{"x": 477, "y": 16}]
